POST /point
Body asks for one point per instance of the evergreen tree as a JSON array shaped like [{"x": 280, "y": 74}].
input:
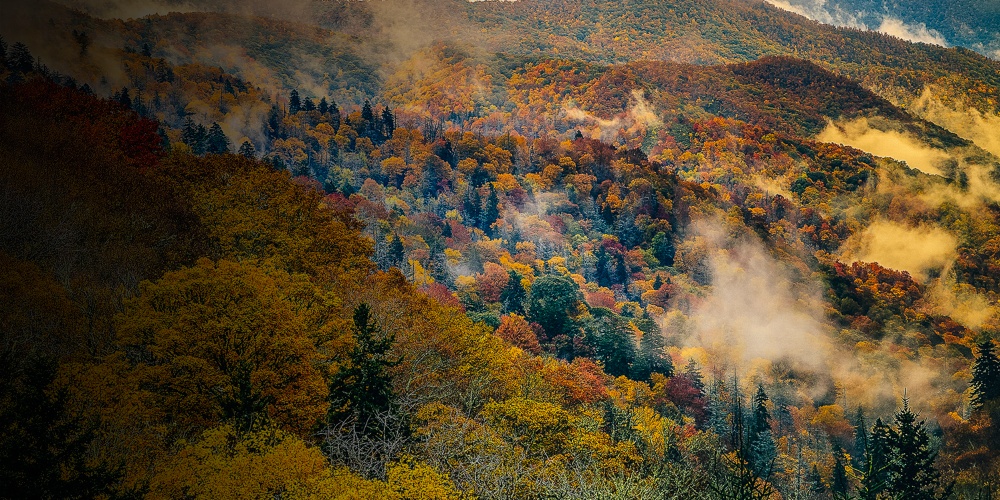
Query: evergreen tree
[
  {"x": 513, "y": 294},
  {"x": 45, "y": 444},
  {"x": 248, "y": 150},
  {"x": 663, "y": 249},
  {"x": 491, "y": 212},
  {"x": 473, "y": 206},
  {"x": 602, "y": 266},
  {"x": 621, "y": 270},
  {"x": 761, "y": 418},
  {"x": 838, "y": 483},
  {"x": 875, "y": 478},
  {"x": 985, "y": 375},
  {"x": 200, "y": 139},
  {"x": 651, "y": 358},
  {"x": 20, "y": 58},
  {"x": 216, "y": 142},
  {"x": 911, "y": 468},
  {"x": 308, "y": 104},
  {"x": 363, "y": 388},
  {"x": 397, "y": 254},
  {"x": 446, "y": 229},
  {"x": 657, "y": 282},
  {"x": 124, "y": 98},
  {"x": 762, "y": 449},
  {"x": 611, "y": 339},
  {"x": 553, "y": 303},
  {"x": 718, "y": 410},
  {"x": 334, "y": 112},
  {"x": 194, "y": 136},
  {"x": 388, "y": 122},
  {"x": 860, "y": 439},
  {"x": 815, "y": 480},
  {"x": 294, "y": 102},
  {"x": 693, "y": 373},
  {"x": 3, "y": 52},
  {"x": 323, "y": 106}
]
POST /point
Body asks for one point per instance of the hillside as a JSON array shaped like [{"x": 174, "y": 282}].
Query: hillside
[{"x": 537, "y": 249}]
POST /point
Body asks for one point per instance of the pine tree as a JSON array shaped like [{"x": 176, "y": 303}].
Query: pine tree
[
  {"x": 875, "y": 478},
  {"x": 248, "y": 150},
  {"x": 200, "y": 139},
  {"x": 124, "y": 98},
  {"x": 308, "y": 104},
  {"x": 491, "y": 212},
  {"x": 602, "y": 267},
  {"x": 815, "y": 480},
  {"x": 838, "y": 483},
  {"x": 20, "y": 58},
  {"x": 911, "y": 469},
  {"x": 621, "y": 270},
  {"x": 985, "y": 375},
  {"x": 397, "y": 254},
  {"x": 294, "y": 102},
  {"x": 693, "y": 372},
  {"x": 216, "y": 142},
  {"x": 718, "y": 410},
  {"x": 388, "y": 122},
  {"x": 513, "y": 294},
  {"x": 763, "y": 450},
  {"x": 652, "y": 358},
  {"x": 363, "y": 389},
  {"x": 323, "y": 106},
  {"x": 657, "y": 283},
  {"x": 860, "y": 439},
  {"x": 334, "y": 115},
  {"x": 193, "y": 135},
  {"x": 473, "y": 205}
]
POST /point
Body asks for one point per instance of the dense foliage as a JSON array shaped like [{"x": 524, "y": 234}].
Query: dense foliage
[{"x": 577, "y": 268}]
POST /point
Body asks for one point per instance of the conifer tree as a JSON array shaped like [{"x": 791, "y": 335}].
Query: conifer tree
[
  {"x": 815, "y": 480},
  {"x": 491, "y": 212},
  {"x": 323, "y": 106},
  {"x": 985, "y": 375},
  {"x": 294, "y": 102},
  {"x": 20, "y": 58},
  {"x": 693, "y": 372},
  {"x": 860, "y": 439},
  {"x": 838, "y": 483},
  {"x": 875, "y": 478},
  {"x": 911, "y": 468},
  {"x": 397, "y": 254},
  {"x": 216, "y": 142},
  {"x": 513, "y": 294},
  {"x": 473, "y": 205},
  {"x": 762, "y": 449},
  {"x": 388, "y": 122},
  {"x": 248, "y": 150},
  {"x": 363, "y": 388},
  {"x": 651, "y": 357}
]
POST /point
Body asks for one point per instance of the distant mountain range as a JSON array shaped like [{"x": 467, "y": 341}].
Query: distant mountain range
[{"x": 969, "y": 23}]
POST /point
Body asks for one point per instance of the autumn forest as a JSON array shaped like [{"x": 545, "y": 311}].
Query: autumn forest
[{"x": 540, "y": 249}]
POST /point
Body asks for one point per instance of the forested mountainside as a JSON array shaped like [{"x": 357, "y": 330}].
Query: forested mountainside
[
  {"x": 565, "y": 249},
  {"x": 969, "y": 23}
]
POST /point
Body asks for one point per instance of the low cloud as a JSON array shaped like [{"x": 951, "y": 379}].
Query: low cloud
[
  {"x": 640, "y": 117},
  {"x": 911, "y": 32},
  {"x": 756, "y": 309},
  {"x": 859, "y": 134},
  {"x": 918, "y": 250}
]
